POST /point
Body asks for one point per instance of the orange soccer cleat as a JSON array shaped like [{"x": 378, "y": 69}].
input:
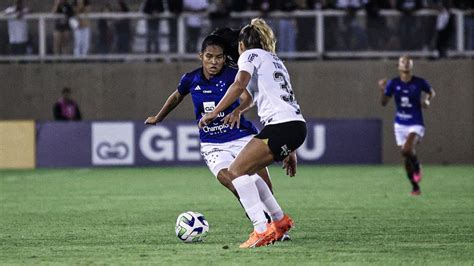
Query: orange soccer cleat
[
  {"x": 282, "y": 226},
  {"x": 259, "y": 239}
]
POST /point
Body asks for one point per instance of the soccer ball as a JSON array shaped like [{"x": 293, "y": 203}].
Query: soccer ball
[{"x": 191, "y": 227}]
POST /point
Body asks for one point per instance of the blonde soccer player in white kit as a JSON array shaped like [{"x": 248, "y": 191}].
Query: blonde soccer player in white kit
[{"x": 264, "y": 76}]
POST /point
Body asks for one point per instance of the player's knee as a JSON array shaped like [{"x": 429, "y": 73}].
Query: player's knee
[
  {"x": 226, "y": 175},
  {"x": 407, "y": 152},
  {"x": 225, "y": 180},
  {"x": 223, "y": 177},
  {"x": 234, "y": 172}
]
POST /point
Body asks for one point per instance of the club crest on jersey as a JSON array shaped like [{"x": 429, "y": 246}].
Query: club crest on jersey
[{"x": 221, "y": 84}]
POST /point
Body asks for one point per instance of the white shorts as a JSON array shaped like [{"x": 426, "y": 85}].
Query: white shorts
[
  {"x": 402, "y": 132},
  {"x": 218, "y": 156}
]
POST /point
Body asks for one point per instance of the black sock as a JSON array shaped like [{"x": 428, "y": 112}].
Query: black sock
[
  {"x": 415, "y": 163},
  {"x": 414, "y": 185}
]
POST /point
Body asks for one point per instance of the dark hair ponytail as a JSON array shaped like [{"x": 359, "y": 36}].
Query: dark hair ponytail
[{"x": 231, "y": 37}]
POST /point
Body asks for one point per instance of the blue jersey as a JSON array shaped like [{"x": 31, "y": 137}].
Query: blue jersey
[
  {"x": 206, "y": 94},
  {"x": 408, "y": 99}
]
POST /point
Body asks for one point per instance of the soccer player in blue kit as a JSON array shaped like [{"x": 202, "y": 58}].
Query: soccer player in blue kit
[
  {"x": 409, "y": 126},
  {"x": 223, "y": 139}
]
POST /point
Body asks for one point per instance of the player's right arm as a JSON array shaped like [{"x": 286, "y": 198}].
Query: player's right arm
[
  {"x": 245, "y": 102},
  {"x": 173, "y": 100},
  {"x": 289, "y": 163},
  {"x": 384, "y": 98}
]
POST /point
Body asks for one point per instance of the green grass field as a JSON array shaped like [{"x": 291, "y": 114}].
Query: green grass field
[{"x": 343, "y": 215}]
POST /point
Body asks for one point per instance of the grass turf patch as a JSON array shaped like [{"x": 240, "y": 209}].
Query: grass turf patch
[{"x": 343, "y": 214}]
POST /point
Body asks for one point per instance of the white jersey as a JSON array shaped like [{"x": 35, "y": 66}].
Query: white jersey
[{"x": 270, "y": 87}]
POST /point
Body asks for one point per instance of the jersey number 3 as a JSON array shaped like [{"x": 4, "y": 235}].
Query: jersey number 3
[{"x": 289, "y": 97}]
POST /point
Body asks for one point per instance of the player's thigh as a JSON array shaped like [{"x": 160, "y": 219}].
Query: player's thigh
[
  {"x": 402, "y": 133},
  {"x": 217, "y": 157},
  {"x": 252, "y": 158},
  {"x": 238, "y": 145},
  {"x": 411, "y": 142}
]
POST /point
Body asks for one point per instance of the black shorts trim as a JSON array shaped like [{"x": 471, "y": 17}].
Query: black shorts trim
[{"x": 283, "y": 138}]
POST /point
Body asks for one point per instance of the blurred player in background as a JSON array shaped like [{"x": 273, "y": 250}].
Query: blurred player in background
[
  {"x": 409, "y": 127},
  {"x": 222, "y": 140},
  {"x": 268, "y": 82}
]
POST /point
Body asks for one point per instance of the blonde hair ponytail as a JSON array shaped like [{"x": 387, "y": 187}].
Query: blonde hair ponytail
[{"x": 267, "y": 37}]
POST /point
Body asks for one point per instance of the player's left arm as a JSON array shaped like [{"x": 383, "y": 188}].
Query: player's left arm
[
  {"x": 428, "y": 97},
  {"x": 233, "y": 93},
  {"x": 429, "y": 93},
  {"x": 233, "y": 118}
]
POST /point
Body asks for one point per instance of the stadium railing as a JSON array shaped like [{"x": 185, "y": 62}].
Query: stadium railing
[{"x": 320, "y": 34}]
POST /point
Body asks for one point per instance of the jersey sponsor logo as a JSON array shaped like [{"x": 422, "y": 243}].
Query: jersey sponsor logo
[
  {"x": 405, "y": 102},
  {"x": 398, "y": 88},
  {"x": 207, "y": 91},
  {"x": 404, "y": 116},
  {"x": 219, "y": 115},
  {"x": 216, "y": 129},
  {"x": 209, "y": 106},
  {"x": 252, "y": 57},
  {"x": 197, "y": 88}
]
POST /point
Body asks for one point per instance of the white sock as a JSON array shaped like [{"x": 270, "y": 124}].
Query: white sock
[
  {"x": 267, "y": 198},
  {"x": 251, "y": 202}
]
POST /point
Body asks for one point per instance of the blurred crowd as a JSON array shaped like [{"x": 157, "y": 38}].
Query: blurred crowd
[{"x": 71, "y": 34}]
